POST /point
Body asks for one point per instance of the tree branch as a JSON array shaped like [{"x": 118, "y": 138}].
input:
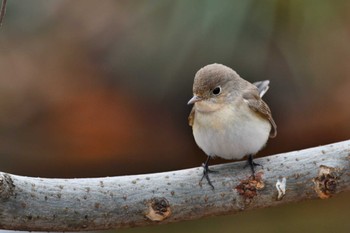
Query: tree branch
[{"x": 38, "y": 204}]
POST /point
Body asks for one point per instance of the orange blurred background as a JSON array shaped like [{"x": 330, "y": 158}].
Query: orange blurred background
[{"x": 99, "y": 88}]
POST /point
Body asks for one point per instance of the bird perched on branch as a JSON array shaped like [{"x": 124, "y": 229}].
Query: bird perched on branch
[{"x": 229, "y": 119}]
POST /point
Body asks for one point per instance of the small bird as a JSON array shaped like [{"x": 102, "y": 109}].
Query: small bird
[{"x": 229, "y": 119}]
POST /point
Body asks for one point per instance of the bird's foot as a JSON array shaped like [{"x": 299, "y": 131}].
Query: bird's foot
[
  {"x": 252, "y": 165},
  {"x": 206, "y": 172}
]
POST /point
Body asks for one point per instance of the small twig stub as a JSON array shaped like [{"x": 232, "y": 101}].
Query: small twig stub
[
  {"x": 158, "y": 209},
  {"x": 281, "y": 188},
  {"x": 249, "y": 188},
  {"x": 326, "y": 182}
]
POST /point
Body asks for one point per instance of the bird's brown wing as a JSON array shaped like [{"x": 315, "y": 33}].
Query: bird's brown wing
[
  {"x": 258, "y": 105},
  {"x": 191, "y": 117}
]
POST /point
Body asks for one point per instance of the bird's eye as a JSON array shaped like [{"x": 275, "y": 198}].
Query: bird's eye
[{"x": 216, "y": 90}]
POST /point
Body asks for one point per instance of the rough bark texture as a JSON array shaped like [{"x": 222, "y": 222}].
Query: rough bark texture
[{"x": 40, "y": 204}]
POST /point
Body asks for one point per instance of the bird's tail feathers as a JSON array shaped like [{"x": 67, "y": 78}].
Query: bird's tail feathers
[{"x": 262, "y": 86}]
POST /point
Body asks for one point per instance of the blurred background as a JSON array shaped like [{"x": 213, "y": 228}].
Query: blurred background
[{"x": 99, "y": 88}]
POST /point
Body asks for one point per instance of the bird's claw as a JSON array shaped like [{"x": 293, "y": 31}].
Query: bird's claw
[
  {"x": 206, "y": 172},
  {"x": 252, "y": 165}
]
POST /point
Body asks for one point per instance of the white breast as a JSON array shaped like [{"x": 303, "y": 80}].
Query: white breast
[{"x": 230, "y": 132}]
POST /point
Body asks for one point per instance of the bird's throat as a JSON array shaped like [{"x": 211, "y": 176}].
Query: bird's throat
[{"x": 207, "y": 106}]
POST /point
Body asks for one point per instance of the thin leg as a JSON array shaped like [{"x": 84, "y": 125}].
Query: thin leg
[
  {"x": 206, "y": 172},
  {"x": 252, "y": 164}
]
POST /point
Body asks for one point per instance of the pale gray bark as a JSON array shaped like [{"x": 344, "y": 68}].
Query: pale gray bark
[{"x": 40, "y": 204}]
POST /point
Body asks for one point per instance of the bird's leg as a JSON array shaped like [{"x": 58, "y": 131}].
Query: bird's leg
[
  {"x": 252, "y": 164},
  {"x": 206, "y": 172}
]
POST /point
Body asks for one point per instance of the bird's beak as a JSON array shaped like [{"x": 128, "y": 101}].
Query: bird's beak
[{"x": 194, "y": 99}]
